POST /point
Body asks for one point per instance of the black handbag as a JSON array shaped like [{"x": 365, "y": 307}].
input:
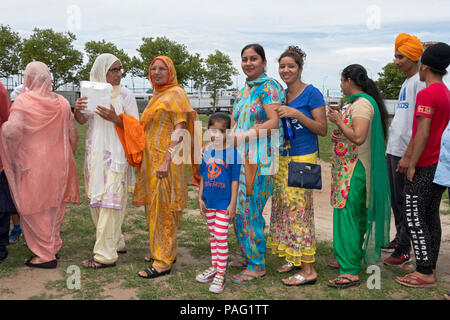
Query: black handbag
[{"x": 304, "y": 175}]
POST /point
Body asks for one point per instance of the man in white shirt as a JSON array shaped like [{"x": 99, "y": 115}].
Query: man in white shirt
[{"x": 408, "y": 50}]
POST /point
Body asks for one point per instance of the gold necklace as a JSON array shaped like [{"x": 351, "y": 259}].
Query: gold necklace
[{"x": 291, "y": 95}]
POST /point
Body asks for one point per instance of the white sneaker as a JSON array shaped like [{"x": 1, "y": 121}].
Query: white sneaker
[
  {"x": 218, "y": 284},
  {"x": 206, "y": 276}
]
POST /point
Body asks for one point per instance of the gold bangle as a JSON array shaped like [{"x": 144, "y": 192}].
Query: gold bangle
[{"x": 171, "y": 150}]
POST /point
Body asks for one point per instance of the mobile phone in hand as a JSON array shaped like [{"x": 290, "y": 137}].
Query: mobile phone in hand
[{"x": 335, "y": 107}]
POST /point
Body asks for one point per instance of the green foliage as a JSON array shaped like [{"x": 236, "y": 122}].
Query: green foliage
[
  {"x": 153, "y": 47},
  {"x": 10, "y": 51},
  {"x": 219, "y": 70},
  {"x": 95, "y": 48},
  {"x": 56, "y": 50},
  {"x": 390, "y": 81},
  {"x": 198, "y": 72}
]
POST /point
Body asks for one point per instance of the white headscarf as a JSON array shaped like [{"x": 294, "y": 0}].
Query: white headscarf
[
  {"x": 105, "y": 140},
  {"x": 15, "y": 93}
]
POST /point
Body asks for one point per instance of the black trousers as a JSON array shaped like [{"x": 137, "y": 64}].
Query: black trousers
[
  {"x": 422, "y": 201},
  {"x": 4, "y": 234},
  {"x": 397, "y": 182}
]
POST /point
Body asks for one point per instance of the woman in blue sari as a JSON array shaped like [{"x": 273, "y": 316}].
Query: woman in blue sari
[{"x": 254, "y": 115}]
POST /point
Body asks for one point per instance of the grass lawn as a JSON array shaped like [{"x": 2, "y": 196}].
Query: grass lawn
[{"x": 78, "y": 234}]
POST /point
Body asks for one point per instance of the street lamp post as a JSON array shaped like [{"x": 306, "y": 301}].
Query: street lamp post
[{"x": 323, "y": 85}]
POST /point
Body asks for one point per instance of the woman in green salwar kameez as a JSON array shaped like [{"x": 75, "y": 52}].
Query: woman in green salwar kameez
[{"x": 361, "y": 217}]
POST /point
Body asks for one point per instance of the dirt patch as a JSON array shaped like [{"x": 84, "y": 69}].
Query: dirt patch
[
  {"x": 193, "y": 194},
  {"x": 191, "y": 213},
  {"x": 185, "y": 259},
  {"x": 30, "y": 283},
  {"x": 116, "y": 292}
]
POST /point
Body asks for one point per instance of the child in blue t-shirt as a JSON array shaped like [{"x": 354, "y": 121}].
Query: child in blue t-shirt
[{"x": 220, "y": 170}]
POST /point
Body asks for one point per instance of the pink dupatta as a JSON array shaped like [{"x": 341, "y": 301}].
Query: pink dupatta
[{"x": 37, "y": 144}]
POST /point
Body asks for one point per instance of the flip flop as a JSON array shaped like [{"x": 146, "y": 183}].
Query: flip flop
[
  {"x": 421, "y": 283},
  {"x": 302, "y": 279},
  {"x": 45, "y": 265},
  {"x": 241, "y": 264},
  {"x": 252, "y": 277},
  {"x": 344, "y": 285}
]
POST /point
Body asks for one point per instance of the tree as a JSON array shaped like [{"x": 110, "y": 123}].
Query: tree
[
  {"x": 198, "y": 73},
  {"x": 95, "y": 48},
  {"x": 10, "y": 50},
  {"x": 219, "y": 70},
  {"x": 390, "y": 81},
  {"x": 56, "y": 50},
  {"x": 151, "y": 48}
]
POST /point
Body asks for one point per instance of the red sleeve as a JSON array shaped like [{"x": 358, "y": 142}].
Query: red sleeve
[
  {"x": 425, "y": 105},
  {"x": 4, "y": 104}
]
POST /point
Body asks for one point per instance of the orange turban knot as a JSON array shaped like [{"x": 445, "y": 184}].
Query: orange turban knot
[{"x": 410, "y": 46}]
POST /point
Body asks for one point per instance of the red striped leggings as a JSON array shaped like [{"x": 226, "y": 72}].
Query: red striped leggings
[{"x": 218, "y": 221}]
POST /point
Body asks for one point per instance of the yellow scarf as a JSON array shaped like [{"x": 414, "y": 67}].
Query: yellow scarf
[{"x": 172, "y": 98}]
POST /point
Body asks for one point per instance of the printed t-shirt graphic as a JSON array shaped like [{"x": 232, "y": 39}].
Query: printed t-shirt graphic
[{"x": 218, "y": 169}]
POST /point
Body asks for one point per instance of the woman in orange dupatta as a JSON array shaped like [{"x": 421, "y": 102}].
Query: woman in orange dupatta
[
  {"x": 37, "y": 146},
  {"x": 162, "y": 184}
]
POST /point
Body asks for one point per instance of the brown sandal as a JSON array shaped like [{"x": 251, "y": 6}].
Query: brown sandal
[
  {"x": 338, "y": 283},
  {"x": 334, "y": 264},
  {"x": 91, "y": 263}
]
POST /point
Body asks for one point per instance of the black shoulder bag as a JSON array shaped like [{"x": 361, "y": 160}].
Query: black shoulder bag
[{"x": 305, "y": 175}]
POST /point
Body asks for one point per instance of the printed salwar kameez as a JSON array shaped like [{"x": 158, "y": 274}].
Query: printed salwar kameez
[{"x": 249, "y": 223}]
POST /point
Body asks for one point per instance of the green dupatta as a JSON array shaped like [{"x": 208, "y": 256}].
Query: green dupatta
[{"x": 379, "y": 210}]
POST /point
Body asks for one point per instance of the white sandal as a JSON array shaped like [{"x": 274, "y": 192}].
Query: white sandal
[
  {"x": 289, "y": 265},
  {"x": 302, "y": 279}
]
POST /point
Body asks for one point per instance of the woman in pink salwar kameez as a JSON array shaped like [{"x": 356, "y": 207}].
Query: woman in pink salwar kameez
[{"x": 37, "y": 146}]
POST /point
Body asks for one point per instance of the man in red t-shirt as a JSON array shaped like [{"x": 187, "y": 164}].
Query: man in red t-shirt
[
  {"x": 422, "y": 196},
  {"x": 4, "y": 190}
]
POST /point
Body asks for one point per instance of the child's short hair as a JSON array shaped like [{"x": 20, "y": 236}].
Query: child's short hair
[{"x": 220, "y": 117}]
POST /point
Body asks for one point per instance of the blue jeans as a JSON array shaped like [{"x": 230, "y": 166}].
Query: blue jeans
[{"x": 4, "y": 234}]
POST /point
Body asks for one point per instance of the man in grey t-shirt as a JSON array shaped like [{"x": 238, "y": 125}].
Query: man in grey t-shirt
[{"x": 408, "y": 50}]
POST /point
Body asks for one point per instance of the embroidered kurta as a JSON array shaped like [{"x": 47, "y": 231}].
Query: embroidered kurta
[{"x": 114, "y": 184}]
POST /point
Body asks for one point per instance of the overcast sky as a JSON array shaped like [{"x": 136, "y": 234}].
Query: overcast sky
[{"x": 333, "y": 34}]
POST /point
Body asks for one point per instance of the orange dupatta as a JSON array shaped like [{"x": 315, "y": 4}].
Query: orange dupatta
[
  {"x": 173, "y": 99},
  {"x": 132, "y": 137}
]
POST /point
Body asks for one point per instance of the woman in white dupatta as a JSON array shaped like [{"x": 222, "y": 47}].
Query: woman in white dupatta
[{"x": 106, "y": 171}]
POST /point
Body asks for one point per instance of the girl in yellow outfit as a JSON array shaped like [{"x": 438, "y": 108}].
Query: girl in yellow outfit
[{"x": 162, "y": 183}]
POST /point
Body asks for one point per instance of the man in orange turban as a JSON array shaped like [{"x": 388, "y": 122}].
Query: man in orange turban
[
  {"x": 408, "y": 50},
  {"x": 409, "y": 46}
]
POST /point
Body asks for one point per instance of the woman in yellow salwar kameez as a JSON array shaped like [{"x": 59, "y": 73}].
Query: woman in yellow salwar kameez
[{"x": 162, "y": 184}]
